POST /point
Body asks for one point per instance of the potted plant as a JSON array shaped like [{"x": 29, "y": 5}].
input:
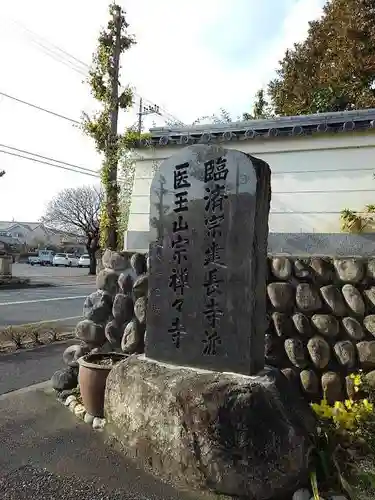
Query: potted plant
[{"x": 93, "y": 373}]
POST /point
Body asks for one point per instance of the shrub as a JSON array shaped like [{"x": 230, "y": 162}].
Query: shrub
[
  {"x": 34, "y": 334},
  {"x": 14, "y": 335},
  {"x": 346, "y": 438},
  {"x": 53, "y": 334}
]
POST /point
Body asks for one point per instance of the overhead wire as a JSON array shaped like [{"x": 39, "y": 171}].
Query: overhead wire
[
  {"x": 36, "y": 157},
  {"x": 47, "y": 158},
  {"x": 57, "y": 53},
  {"x": 63, "y": 56},
  {"x": 47, "y": 163},
  {"x": 40, "y": 108},
  {"x": 35, "y": 35},
  {"x": 73, "y": 63}
]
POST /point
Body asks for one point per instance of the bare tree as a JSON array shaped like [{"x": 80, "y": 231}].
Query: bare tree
[{"x": 77, "y": 210}]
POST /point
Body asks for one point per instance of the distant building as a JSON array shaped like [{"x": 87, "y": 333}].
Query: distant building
[
  {"x": 320, "y": 164},
  {"x": 37, "y": 235}
]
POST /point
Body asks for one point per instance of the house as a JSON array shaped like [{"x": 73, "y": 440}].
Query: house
[
  {"x": 37, "y": 235},
  {"x": 7, "y": 239},
  {"x": 320, "y": 165}
]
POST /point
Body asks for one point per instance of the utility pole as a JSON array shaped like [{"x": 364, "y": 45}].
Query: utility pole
[
  {"x": 152, "y": 109},
  {"x": 112, "y": 201},
  {"x": 140, "y": 114}
]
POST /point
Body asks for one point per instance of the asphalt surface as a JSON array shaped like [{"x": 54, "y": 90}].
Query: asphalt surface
[
  {"x": 27, "y": 367},
  {"x": 48, "y": 454},
  {"x": 49, "y": 274},
  {"x": 62, "y": 301},
  {"x": 31, "y": 305}
]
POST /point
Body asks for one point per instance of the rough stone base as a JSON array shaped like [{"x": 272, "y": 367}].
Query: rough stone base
[{"x": 234, "y": 434}]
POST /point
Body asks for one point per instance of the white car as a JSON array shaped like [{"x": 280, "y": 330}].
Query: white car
[
  {"x": 73, "y": 260},
  {"x": 61, "y": 259},
  {"x": 84, "y": 260}
]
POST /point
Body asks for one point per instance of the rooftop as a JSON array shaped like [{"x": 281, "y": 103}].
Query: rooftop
[
  {"x": 31, "y": 226},
  {"x": 279, "y": 127},
  {"x": 4, "y": 225}
]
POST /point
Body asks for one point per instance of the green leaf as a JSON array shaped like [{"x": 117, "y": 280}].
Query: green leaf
[
  {"x": 314, "y": 485},
  {"x": 344, "y": 483},
  {"x": 346, "y": 486},
  {"x": 324, "y": 463}
]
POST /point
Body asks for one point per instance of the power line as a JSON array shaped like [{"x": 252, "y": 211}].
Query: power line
[
  {"x": 55, "y": 52},
  {"x": 70, "y": 167},
  {"x": 32, "y": 33},
  {"x": 40, "y": 108},
  {"x": 47, "y": 163},
  {"x": 354, "y": 169},
  {"x": 61, "y": 53},
  {"x": 47, "y": 158},
  {"x": 322, "y": 191}
]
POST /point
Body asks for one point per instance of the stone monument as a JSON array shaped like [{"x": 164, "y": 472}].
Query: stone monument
[
  {"x": 209, "y": 226},
  {"x": 198, "y": 407}
]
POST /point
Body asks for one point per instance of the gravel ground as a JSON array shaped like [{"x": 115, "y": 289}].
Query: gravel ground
[
  {"x": 48, "y": 454},
  {"x": 28, "y": 482}
]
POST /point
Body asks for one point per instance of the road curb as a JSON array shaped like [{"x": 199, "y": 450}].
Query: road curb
[
  {"x": 78, "y": 284},
  {"x": 24, "y": 286},
  {"x": 41, "y": 386}
]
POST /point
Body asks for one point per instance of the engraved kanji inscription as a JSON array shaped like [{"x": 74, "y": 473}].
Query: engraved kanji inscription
[
  {"x": 213, "y": 254},
  {"x": 212, "y": 282},
  {"x": 180, "y": 246},
  {"x": 212, "y": 312},
  {"x": 178, "y": 303},
  {"x": 176, "y": 331},
  {"x": 179, "y": 225},
  {"x": 216, "y": 170},
  {"x": 213, "y": 225},
  {"x": 181, "y": 176},
  {"x": 215, "y": 198},
  {"x": 181, "y": 202},
  {"x": 208, "y": 215},
  {"x": 178, "y": 280},
  {"x": 210, "y": 342}
]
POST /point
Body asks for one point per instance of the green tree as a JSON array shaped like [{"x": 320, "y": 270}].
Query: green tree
[
  {"x": 104, "y": 79},
  {"x": 222, "y": 117},
  {"x": 334, "y": 68},
  {"x": 261, "y": 107}
]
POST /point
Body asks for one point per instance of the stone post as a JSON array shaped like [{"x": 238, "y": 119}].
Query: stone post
[{"x": 6, "y": 262}]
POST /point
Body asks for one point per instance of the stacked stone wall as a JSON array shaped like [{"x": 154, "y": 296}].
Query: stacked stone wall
[
  {"x": 321, "y": 328},
  {"x": 114, "y": 316}
]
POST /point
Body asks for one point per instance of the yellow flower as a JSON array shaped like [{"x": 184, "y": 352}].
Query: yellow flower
[
  {"x": 349, "y": 404},
  {"x": 357, "y": 379},
  {"x": 345, "y": 415},
  {"x": 369, "y": 407}
]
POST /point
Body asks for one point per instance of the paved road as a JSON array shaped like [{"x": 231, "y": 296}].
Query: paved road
[
  {"x": 47, "y": 454},
  {"x": 24, "y": 368},
  {"x": 55, "y": 275},
  {"x": 33, "y": 305}
]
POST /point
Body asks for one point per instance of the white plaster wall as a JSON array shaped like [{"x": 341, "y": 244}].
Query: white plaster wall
[{"x": 313, "y": 179}]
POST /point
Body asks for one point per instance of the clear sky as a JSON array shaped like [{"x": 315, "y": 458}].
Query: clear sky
[{"x": 192, "y": 58}]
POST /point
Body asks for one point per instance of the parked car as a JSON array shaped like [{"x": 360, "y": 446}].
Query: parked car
[
  {"x": 61, "y": 259},
  {"x": 44, "y": 258},
  {"x": 84, "y": 260},
  {"x": 73, "y": 259}
]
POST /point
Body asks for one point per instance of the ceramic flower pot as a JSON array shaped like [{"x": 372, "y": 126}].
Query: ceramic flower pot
[{"x": 93, "y": 373}]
